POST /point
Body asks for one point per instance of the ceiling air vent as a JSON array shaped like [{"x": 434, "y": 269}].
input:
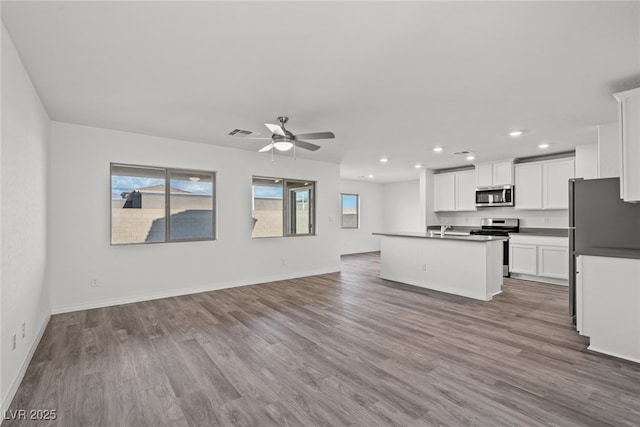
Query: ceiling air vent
[
  {"x": 462, "y": 153},
  {"x": 241, "y": 133}
]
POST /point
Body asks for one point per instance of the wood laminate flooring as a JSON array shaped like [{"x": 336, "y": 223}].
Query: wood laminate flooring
[{"x": 338, "y": 349}]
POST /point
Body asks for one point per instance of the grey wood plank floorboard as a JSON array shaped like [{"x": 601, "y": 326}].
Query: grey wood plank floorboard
[{"x": 344, "y": 348}]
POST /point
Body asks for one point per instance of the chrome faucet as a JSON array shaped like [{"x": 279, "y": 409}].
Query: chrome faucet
[{"x": 443, "y": 228}]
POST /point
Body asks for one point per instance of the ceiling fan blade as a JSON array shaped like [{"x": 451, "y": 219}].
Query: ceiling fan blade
[
  {"x": 275, "y": 129},
  {"x": 266, "y": 148},
  {"x": 316, "y": 135},
  {"x": 306, "y": 145}
]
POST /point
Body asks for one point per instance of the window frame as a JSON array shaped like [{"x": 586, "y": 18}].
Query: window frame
[
  {"x": 357, "y": 211},
  {"x": 167, "y": 203},
  {"x": 286, "y": 206}
]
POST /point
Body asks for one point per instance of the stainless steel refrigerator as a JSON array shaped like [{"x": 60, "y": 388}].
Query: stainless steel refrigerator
[{"x": 598, "y": 219}]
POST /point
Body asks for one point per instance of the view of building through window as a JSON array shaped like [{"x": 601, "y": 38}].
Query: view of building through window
[
  {"x": 282, "y": 207},
  {"x": 350, "y": 210},
  {"x": 191, "y": 204},
  {"x": 140, "y": 205}
]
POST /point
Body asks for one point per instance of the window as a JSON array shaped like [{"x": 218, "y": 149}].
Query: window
[
  {"x": 143, "y": 197},
  {"x": 350, "y": 210},
  {"x": 282, "y": 207}
]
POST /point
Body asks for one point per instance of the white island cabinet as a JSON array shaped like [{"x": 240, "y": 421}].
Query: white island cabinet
[{"x": 470, "y": 266}]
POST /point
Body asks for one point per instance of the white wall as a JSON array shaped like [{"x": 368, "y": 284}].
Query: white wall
[
  {"x": 544, "y": 219},
  {"x": 25, "y": 293},
  {"x": 402, "y": 209},
  {"x": 587, "y": 161},
  {"x": 608, "y": 151},
  {"x": 358, "y": 240},
  {"x": 80, "y": 222}
]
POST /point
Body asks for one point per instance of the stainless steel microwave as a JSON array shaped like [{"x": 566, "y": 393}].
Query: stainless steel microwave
[{"x": 495, "y": 195}]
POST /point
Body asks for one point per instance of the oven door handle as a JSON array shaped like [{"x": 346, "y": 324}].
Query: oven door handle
[{"x": 504, "y": 195}]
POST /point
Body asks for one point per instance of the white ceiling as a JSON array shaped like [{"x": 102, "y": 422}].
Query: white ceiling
[{"x": 390, "y": 79}]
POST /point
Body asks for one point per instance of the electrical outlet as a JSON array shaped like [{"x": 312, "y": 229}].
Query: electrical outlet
[
  {"x": 13, "y": 341},
  {"x": 330, "y": 219},
  {"x": 284, "y": 262},
  {"x": 424, "y": 267},
  {"x": 24, "y": 329},
  {"x": 94, "y": 283},
  {"x": 546, "y": 220}
]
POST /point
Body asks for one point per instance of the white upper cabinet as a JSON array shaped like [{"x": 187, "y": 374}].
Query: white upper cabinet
[
  {"x": 555, "y": 181},
  {"x": 444, "y": 192},
  {"x": 503, "y": 173},
  {"x": 496, "y": 173},
  {"x": 630, "y": 144},
  {"x": 528, "y": 189},
  {"x": 455, "y": 191},
  {"x": 484, "y": 175},
  {"x": 543, "y": 185},
  {"x": 466, "y": 191}
]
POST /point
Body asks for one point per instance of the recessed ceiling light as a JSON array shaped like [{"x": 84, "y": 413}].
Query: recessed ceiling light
[
  {"x": 470, "y": 157},
  {"x": 437, "y": 149},
  {"x": 417, "y": 166},
  {"x": 383, "y": 160},
  {"x": 516, "y": 133},
  {"x": 545, "y": 145},
  {"x": 370, "y": 175}
]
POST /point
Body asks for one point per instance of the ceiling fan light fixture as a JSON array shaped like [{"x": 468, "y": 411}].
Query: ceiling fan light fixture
[{"x": 283, "y": 145}]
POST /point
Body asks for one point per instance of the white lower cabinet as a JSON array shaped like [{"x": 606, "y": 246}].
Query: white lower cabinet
[
  {"x": 608, "y": 304},
  {"x": 522, "y": 258},
  {"x": 553, "y": 261},
  {"x": 539, "y": 258}
]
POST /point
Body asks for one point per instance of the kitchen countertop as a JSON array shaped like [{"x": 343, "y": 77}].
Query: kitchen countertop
[
  {"x": 460, "y": 228},
  {"x": 611, "y": 252},
  {"x": 536, "y": 231},
  {"x": 427, "y": 235},
  {"x": 529, "y": 231}
]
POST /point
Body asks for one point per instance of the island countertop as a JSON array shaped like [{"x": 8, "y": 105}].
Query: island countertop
[{"x": 430, "y": 235}]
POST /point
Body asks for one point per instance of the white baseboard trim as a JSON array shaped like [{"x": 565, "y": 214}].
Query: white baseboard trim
[
  {"x": 23, "y": 369},
  {"x": 493, "y": 294},
  {"x": 559, "y": 282},
  {"x": 610, "y": 353},
  {"x": 188, "y": 291}
]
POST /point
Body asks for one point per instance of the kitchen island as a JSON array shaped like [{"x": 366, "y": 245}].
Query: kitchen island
[{"x": 470, "y": 266}]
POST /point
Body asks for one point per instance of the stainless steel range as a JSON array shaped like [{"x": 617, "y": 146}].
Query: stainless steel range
[{"x": 499, "y": 227}]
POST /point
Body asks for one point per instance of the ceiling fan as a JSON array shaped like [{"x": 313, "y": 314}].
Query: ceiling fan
[{"x": 282, "y": 139}]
